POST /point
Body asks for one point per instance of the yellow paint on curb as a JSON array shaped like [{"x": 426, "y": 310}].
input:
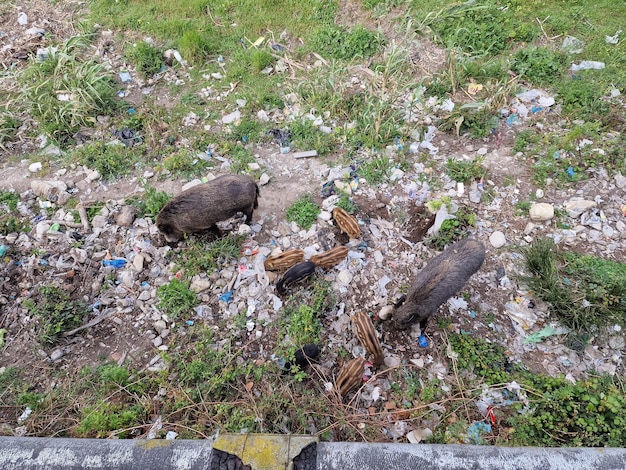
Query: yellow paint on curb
[{"x": 264, "y": 451}]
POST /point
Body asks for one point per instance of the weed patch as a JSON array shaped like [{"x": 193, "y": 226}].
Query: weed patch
[
  {"x": 147, "y": 59},
  {"x": 56, "y": 313},
  {"x": 466, "y": 172},
  {"x": 303, "y": 212},
  {"x": 339, "y": 43},
  {"x": 199, "y": 257},
  {"x": 584, "y": 292},
  {"x": 111, "y": 160},
  {"x": 175, "y": 299}
]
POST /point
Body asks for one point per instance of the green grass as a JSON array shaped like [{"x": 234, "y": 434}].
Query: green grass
[
  {"x": 111, "y": 160},
  {"x": 466, "y": 172},
  {"x": 175, "y": 299},
  {"x": 198, "y": 257},
  {"x": 150, "y": 202},
  {"x": 67, "y": 90},
  {"x": 584, "y": 292},
  {"x": 303, "y": 212},
  {"x": 56, "y": 313}
]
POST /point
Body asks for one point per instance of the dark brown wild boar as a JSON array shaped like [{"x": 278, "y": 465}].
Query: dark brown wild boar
[
  {"x": 443, "y": 276},
  {"x": 199, "y": 208}
]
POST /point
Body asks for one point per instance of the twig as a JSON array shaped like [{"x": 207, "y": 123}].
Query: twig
[
  {"x": 544, "y": 31},
  {"x": 93, "y": 322},
  {"x": 82, "y": 212}
]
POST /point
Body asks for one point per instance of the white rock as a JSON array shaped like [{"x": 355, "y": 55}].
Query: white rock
[
  {"x": 392, "y": 361},
  {"x": 286, "y": 242},
  {"x": 418, "y": 435},
  {"x": 35, "y": 167},
  {"x": 200, "y": 285},
  {"x": 93, "y": 175},
  {"x": 617, "y": 342},
  {"x": 244, "y": 229},
  {"x": 159, "y": 326},
  {"x": 158, "y": 341},
  {"x": 539, "y": 193},
  {"x": 57, "y": 354},
  {"x": 344, "y": 277},
  {"x": 620, "y": 181},
  {"x": 497, "y": 239},
  {"x": 232, "y": 117},
  {"x": 541, "y": 211},
  {"x": 264, "y": 179},
  {"x": 254, "y": 166},
  {"x": 138, "y": 260},
  {"x": 419, "y": 362},
  {"x": 576, "y": 207},
  {"x": 324, "y": 215},
  {"x": 191, "y": 184}
]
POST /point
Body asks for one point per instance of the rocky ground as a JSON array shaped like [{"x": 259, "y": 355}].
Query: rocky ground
[{"x": 126, "y": 326}]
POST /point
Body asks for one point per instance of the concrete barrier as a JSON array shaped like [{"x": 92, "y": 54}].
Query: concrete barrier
[{"x": 274, "y": 452}]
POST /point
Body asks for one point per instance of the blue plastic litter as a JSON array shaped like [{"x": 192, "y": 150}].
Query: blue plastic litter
[
  {"x": 189, "y": 322},
  {"x": 226, "y": 296},
  {"x": 116, "y": 263},
  {"x": 570, "y": 172},
  {"x": 536, "y": 109},
  {"x": 3, "y": 250},
  {"x": 476, "y": 431},
  {"x": 423, "y": 342},
  {"x": 472, "y": 314},
  {"x": 512, "y": 119}
]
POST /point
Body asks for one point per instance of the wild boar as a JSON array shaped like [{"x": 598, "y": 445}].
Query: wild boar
[
  {"x": 200, "y": 208},
  {"x": 443, "y": 276}
]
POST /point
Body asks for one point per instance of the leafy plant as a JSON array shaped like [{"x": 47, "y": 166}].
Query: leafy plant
[
  {"x": 452, "y": 230},
  {"x": 539, "y": 65},
  {"x": 100, "y": 421},
  {"x": 240, "y": 157},
  {"x": 64, "y": 92},
  {"x": 9, "y": 224},
  {"x": 339, "y": 43},
  {"x": 196, "y": 46},
  {"x": 303, "y": 212},
  {"x": 56, "y": 313},
  {"x": 347, "y": 204},
  {"x": 183, "y": 163},
  {"x": 466, "y": 172},
  {"x": 377, "y": 170},
  {"x": 198, "y": 257},
  {"x": 147, "y": 59},
  {"x": 9, "y": 125},
  {"x": 150, "y": 202},
  {"x": 306, "y": 136},
  {"x": 584, "y": 292},
  {"x": 111, "y": 160},
  {"x": 176, "y": 299},
  {"x": 9, "y": 199}
]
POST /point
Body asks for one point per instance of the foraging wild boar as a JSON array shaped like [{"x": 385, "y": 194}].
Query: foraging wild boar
[
  {"x": 199, "y": 208},
  {"x": 443, "y": 276}
]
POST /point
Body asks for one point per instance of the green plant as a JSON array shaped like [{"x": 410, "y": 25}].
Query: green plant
[
  {"x": 183, "y": 163},
  {"x": 466, "y": 172},
  {"x": 100, "y": 421},
  {"x": 346, "y": 203},
  {"x": 582, "y": 97},
  {"x": 524, "y": 139},
  {"x": 376, "y": 171},
  {"x": 452, "y": 230},
  {"x": 339, "y": 43},
  {"x": 176, "y": 299},
  {"x": 247, "y": 130},
  {"x": 111, "y": 160},
  {"x": 260, "y": 59},
  {"x": 198, "y": 257},
  {"x": 584, "y": 292},
  {"x": 240, "y": 157},
  {"x": 147, "y": 59},
  {"x": 56, "y": 313},
  {"x": 487, "y": 360},
  {"x": 303, "y": 212},
  {"x": 9, "y": 125},
  {"x": 306, "y": 136},
  {"x": 150, "y": 202},
  {"x": 9, "y": 224},
  {"x": 475, "y": 118},
  {"x": 64, "y": 92},
  {"x": 522, "y": 207},
  {"x": 9, "y": 199},
  {"x": 539, "y": 65},
  {"x": 196, "y": 46}
]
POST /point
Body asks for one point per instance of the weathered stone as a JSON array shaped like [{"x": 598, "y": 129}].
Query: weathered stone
[
  {"x": 541, "y": 211},
  {"x": 576, "y": 207},
  {"x": 497, "y": 239},
  {"x": 126, "y": 216}
]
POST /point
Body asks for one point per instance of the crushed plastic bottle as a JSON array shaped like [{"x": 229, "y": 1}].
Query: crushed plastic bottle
[{"x": 115, "y": 263}]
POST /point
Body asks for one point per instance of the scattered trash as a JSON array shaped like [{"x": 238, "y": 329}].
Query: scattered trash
[
  {"x": 125, "y": 77},
  {"x": 587, "y": 65},
  {"x": 22, "y": 18},
  {"x": 116, "y": 263},
  {"x": 226, "y": 296},
  {"x": 540, "y": 335},
  {"x": 305, "y": 154},
  {"x": 24, "y": 416},
  {"x": 572, "y": 45},
  {"x": 613, "y": 39},
  {"x": 3, "y": 250},
  {"x": 423, "y": 342},
  {"x": 476, "y": 431},
  {"x": 521, "y": 315},
  {"x": 127, "y": 136}
]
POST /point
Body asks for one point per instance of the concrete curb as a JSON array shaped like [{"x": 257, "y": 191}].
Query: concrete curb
[{"x": 274, "y": 452}]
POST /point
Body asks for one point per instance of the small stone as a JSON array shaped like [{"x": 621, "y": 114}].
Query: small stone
[
  {"x": 392, "y": 361},
  {"x": 158, "y": 341},
  {"x": 617, "y": 342},
  {"x": 244, "y": 229},
  {"x": 191, "y": 184},
  {"x": 138, "y": 260},
  {"x": 481, "y": 151},
  {"x": 344, "y": 277},
  {"x": 264, "y": 179},
  {"x": 529, "y": 228},
  {"x": 57, "y": 354},
  {"x": 324, "y": 215},
  {"x": 539, "y": 193},
  {"x": 254, "y": 166},
  {"x": 93, "y": 175},
  {"x": 200, "y": 285},
  {"x": 286, "y": 242},
  {"x": 620, "y": 181},
  {"x": 126, "y": 216},
  {"x": 541, "y": 211},
  {"x": 385, "y": 312},
  {"x": 145, "y": 295},
  {"x": 159, "y": 326},
  {"x": 419, "y": 362},
  {"x": 35, "y": 167},
  {"x": 165, "y": 333},
  {"x": 99, "y": 221},
  {"x": 497, "y": 239},
  {"x": 232, "y": 117},
  {"x": 575, "y": 208}
]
